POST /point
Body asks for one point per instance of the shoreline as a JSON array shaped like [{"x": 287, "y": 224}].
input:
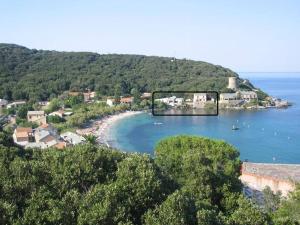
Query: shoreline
[{"x": 101, "y": 127}]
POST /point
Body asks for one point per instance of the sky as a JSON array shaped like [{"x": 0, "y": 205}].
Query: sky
[{"x": 243, "y": 35}]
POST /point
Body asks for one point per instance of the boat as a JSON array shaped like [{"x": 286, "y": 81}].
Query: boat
[
  {"x": 157, "y": 123},
  {"x": 234, "y": 128}
]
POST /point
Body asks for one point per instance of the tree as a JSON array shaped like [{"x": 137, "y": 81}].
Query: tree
[
  {"x": 22, "y": 111},
  {"x": 7, "y": 212},
  {"x": 42, "y": 208},
  {"x": 90, "y": 184},
  {"x": 247, "y": 214},
  {"x": 206, "y": 167},
  {"x": 55, "y": 119},
  {"x": 6, "y": 139},
  {"x": 136, "y": 95},
  {"x": 179, "y": 208},
  {"x": 54, "y": 105},
  {"x": 101, "y": 206},
  {"x": 271, "y": 201},
  {"x": 72, "y": 101},
  {"x": 92, "y": 139},
  {"x": 289, "y": 209},
  {"x": 142, "y": 183}
]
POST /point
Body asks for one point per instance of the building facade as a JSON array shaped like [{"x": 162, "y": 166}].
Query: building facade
[
  {"x": 279, "y": 177},
  {"x": 38, "y": 117},
  {"x": 23, "y": 135}
]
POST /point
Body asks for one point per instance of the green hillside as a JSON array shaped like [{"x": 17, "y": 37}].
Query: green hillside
[{"x": 38, "y": 74}]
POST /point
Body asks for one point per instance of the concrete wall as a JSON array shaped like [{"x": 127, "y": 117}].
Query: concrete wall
[{"x": 258, "y": 182}]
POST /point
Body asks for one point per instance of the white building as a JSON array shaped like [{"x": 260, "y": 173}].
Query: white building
[
  {"x": 171, "y": 101},
  {"x": 15, "y": 104},
  {"x": 72, "y": 138},
  {"x": 23, "y": 135},
  {"x": 199, "y": 100},
  {"x": 44, "y": 103},
  {"x": 110, "y": 102},
  {"x": 146, "y": 95},
  {"x": 248, "y": 95},
  {"x": 226, "y": 97},
  {"x": 46, "y": 134},
  {"x": 3, "y": 103},
  {"x": 59, "y": 113},
  {"x": 231, "y": 99},
  {"x": 38, "y": 117}
]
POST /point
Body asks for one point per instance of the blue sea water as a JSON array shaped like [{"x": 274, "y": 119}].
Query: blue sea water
[{"x": 269, "y": 135}]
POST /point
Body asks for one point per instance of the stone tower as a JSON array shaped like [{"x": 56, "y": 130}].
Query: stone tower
[{"x": 232, "y": 83}]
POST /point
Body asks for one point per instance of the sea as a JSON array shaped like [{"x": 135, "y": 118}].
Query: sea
[{"x": 265, "y": 135}]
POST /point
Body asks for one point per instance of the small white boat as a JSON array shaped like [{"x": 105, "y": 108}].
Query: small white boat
[
  {"x": 234, "y": 128},
  {"x": 157, "y": 123}
]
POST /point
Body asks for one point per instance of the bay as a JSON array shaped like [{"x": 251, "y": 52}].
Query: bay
[{"x": 268, "y": 135}]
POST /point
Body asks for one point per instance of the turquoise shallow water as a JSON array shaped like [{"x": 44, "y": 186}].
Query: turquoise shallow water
[{"x": 271, "y": 135}]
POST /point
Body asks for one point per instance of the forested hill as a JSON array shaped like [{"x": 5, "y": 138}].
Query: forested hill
[{"x": 39, "y": 74}]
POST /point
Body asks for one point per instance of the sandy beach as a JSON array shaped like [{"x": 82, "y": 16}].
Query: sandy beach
[{"x": 100, "y": 128}]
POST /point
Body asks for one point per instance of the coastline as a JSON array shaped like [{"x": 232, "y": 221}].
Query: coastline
[{"x": 101, "y": 127}]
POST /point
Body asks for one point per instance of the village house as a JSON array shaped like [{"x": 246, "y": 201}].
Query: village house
[
  {"x": 43, "y": 103},
  {"x": 126, "y": 100},
  {"x": 15, "y": 104},
  {"x": 146, "y": 95},
  {"x": 201, "y": 99},
  {"x": 88, "y": 96},
  {"x": 171, "y": 101},
  {"x": 46, "y": 136},
  {"x": 38, "y": 117},
  {"x": 23, "y": 135},
  {"x": 72, "y": 138},
  {"x": 229, "y": 98},
  {"x": 3, "y": 103},
  {"x": 238, "y": 97},
  {"x": 110, "y": 102},
  {"x": 248, "y": 95},
  {"x": 46, "y": 133},
  {"x": 59, "y": 113}
]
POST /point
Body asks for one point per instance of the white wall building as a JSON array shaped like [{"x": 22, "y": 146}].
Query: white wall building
[
  {"x": 225, "y": 97},
  {"x": 110, "y": 102},
  {"x": 199, "y": 100},
  {"x": 72, "y": 138},
  {"x": 171, "y": 101},
  {"x": 15, "y": 104},
  {"x": 38, "y": 117},
  {"x": 248, "y": 95},
  {"x": 3, "y": 103}
]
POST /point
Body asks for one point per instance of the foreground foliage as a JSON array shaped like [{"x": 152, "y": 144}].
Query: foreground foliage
[{"x": 191, "y": 180}]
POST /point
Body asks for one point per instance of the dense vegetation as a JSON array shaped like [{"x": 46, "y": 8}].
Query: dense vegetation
[
  {"x": 191, "y": 180},
  {"x": 40, "y": 75}
]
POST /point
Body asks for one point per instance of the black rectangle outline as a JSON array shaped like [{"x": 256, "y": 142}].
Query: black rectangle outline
[{"x": 214, "y": 92}]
